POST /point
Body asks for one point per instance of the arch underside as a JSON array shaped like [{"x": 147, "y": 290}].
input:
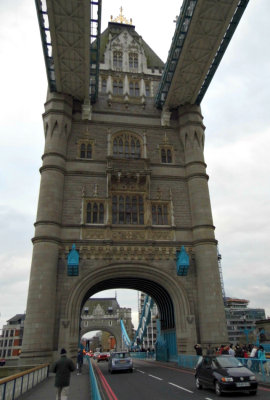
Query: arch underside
[{"x": 160, "y": 295}]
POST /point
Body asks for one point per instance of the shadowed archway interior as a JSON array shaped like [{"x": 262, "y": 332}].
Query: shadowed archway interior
[{"x": 160, "y": 296}]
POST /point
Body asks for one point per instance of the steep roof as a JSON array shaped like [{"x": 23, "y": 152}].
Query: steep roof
[
  {"x": 114, "y": 28},
  {"x": 17, "y": 318},
  {"x": 105, "y": 302}
]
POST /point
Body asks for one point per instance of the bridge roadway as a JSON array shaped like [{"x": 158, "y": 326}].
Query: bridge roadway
[{"x": 150, "y": 380}]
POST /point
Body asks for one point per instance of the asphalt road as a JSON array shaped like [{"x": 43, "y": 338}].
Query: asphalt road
[{"x": 158, "y": 381}]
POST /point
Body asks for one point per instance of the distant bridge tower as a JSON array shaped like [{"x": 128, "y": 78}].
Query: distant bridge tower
[{"x": 123, "y": 180}]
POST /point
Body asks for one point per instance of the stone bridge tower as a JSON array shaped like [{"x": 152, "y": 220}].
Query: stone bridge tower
[
  {"x": 129, "y": 188},
  {"x": 104, "y": 314}
]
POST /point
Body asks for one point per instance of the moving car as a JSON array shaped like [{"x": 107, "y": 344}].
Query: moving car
[
  {"x": 120, "y": 361},
  {"x": 102, "y": 357},
  {"x": 224, "y": 374},
  {"x": 95, "y": 356}
]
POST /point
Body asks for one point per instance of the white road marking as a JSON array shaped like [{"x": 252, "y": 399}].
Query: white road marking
[
  {"x": 180, "y": 387},
  {"x": 208, "y": 398},
  {"x": 153, "y": 376},
  {"x": 142, "y": 372}
]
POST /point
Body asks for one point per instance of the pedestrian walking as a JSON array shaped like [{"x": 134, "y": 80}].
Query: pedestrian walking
[
  {"x": 62, "y": 369},
  {"x": 79, "y": 361},
  {"x": 263, "y": 360}
]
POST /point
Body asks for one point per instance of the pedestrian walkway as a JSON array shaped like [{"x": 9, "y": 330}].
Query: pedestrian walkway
[{"x": 79, "y": 388}]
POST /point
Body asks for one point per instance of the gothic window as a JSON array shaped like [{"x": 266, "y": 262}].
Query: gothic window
[
  {"x": 103, "y": 85},
  {"x": 127, "y": 209},
  {"x": 160, "y": 214},
  {"x": 117, "y": 59},
  {"x": 134, "y": 89},
  {"x": 126, "y": 146},
  {"x": 94, "y": 212},
  {"x": 117, "y": 87},
  {"x": 147, "y": 89},
  {"x": 166, "y": 155},
  {"x": 85, "y": 149},
  {"x": 133, "y": 60}
]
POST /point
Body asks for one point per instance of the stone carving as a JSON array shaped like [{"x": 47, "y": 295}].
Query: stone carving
[
  {"x": 190, "y": 319},
  {"x": 98, "y": 310},
  {"x": 65, "y": 323}
]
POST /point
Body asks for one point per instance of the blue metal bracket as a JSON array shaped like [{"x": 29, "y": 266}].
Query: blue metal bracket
[
  {"x": 73, "y": 262},
  {"x": 182, "y": 262}
]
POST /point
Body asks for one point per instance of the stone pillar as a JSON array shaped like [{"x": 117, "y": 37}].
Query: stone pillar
[
  {"x": 210, "y": 316},
  {"x": 39, "y": 330}
]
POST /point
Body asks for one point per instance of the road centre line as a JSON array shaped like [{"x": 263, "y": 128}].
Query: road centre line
[
  {"x": 180, "y": 387},
  {"x": 153, "y": 376},
  {"x": 142, "y": 372}
]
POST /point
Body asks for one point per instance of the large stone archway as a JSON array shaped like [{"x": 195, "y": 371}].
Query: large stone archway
[
  {"x": 169, "y": 295},
  {"x": 100, "y": 326}
]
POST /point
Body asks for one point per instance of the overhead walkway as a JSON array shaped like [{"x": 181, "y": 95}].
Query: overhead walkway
[
  {"x": 203, "y": 31},
  {"x": 70, "y": 32}
]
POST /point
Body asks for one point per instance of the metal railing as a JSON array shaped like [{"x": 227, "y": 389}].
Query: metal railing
[
  {"x": 14, "y": 386},
  {"x": 95, "y": 395}
]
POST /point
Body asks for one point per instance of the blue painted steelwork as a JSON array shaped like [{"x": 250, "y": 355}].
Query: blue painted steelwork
[
  {"x": 44, "y": 28},
  {"x": 166, "y": 349},
  {"x": 222, "y": 48},
  {"x": 188, "y": 361},
  {"x": 125, "y": 336},
  {"x": 95, "y": 395},
  {"x": 182, "y": 262},
  {"x": 144, "y": 320},
  {"x": 73, "y": 262},
  {"x": 178, "y": 40}
]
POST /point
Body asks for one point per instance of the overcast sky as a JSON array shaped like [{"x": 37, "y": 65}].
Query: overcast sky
[{"x": 237, "y": 149}]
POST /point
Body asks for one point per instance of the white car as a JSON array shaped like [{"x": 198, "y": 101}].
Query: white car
[{"x": 120, "y": 361}]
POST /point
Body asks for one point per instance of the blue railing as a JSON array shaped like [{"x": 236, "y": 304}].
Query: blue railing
[
  {"x": 143, "y": 355},
  {"x": 260, "y": 369},
  {"x": 12, "y": 387},
  {"x": 95, "y": 395}
]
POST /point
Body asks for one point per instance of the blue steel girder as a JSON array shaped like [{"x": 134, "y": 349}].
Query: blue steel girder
[
  {"x": 203, "y": 31},
  {"x": 67, "y": 29}
]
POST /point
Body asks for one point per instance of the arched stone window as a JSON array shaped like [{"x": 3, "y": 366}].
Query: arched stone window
[
  {"x": 133, "y": 60},
  {"x": 117, "y": 59},
  {"x": 85, "y": 149},
  {"x": 103, "y": 85},
  {"x": 166, "y": 154},
  {"x": 94, "y": 212},
  {"x": 160, "y": 214},
  {"x": 117, "y": 87},
  {"x": 127, "y": 209},
  {"x": 134, "y": 88},
  {"x": 147, "y": 89},
  {"x": 127, "y": 145}
]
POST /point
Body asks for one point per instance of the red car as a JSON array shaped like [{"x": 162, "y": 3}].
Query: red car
[{"x": 102, "y": 357}]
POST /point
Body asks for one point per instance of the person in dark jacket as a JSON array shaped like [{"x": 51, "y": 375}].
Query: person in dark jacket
[
  {"x": 62, "y": 368},
  {"x": 79, "y": 361}
]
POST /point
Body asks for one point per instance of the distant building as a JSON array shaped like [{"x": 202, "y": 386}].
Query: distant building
[
  {"x": 104, "y": 314},
  {"x": 241, "y": 320},
  {"x": 11, "y": 338}
]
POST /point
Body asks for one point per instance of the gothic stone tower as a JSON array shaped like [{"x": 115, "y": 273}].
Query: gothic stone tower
[{"x": 128, "y": 189}]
